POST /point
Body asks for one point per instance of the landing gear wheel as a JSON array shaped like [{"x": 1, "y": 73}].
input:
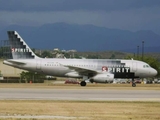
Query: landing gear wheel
[
  {"x": 133, "y": 84},
  {"x": 83, "y": 83}
]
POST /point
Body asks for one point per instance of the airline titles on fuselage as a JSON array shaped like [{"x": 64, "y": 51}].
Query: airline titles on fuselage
[
  {"x": 119, "y": 69},
  {"x": 116, "y": 69}
]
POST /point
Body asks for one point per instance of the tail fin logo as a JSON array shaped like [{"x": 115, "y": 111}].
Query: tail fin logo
[{"x": 20, "y": 50}]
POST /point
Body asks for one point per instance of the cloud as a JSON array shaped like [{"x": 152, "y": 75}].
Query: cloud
[
  {"x": 122, "y": 14},
  {"x": 72, "y": 5},
  {"x": 131, "y": 19}
]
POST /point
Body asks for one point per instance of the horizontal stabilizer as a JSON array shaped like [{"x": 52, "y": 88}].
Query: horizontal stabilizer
[
  {"x": 12, "y": 62},
  {"x": 16, "y": 62}
]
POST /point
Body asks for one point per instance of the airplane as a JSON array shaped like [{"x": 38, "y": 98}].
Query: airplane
[{"x": 90, "y": 70}]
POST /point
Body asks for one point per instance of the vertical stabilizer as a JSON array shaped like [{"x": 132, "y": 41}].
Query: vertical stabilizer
[{"x": 19, "y": 49}]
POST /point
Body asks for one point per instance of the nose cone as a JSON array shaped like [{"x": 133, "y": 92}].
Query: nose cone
[{"x": 154, "y": 72}]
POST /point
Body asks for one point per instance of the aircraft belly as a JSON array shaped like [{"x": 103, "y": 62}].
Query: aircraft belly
[
  {"x": 142, "y": 73},
  {"x": 124, "y": 75}
]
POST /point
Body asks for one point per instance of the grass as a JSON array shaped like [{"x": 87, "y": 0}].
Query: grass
[{"x": 95, "y": 110}]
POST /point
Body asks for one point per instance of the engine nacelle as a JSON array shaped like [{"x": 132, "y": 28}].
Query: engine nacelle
[
  {"x": 73, "y": 74},
  {"x": 103, "y": 78}
]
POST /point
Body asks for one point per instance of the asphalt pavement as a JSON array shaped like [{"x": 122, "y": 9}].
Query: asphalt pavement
[{"x": 79, "y": 94}]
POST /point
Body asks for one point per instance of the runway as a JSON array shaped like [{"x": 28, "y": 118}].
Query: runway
[{"x": 79, "y": 94}]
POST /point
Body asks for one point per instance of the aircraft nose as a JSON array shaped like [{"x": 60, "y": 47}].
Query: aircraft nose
[{"x": 154, "y": 72}]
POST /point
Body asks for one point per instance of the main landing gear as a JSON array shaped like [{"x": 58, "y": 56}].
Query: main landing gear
[
  {"x": 83, "y": 83},
  {"x": 133, "y": 83}
]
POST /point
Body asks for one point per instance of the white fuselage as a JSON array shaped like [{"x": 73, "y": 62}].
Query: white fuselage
[
  {"x": 63, "y": 67},
  {"x": 93, "y": 70}
]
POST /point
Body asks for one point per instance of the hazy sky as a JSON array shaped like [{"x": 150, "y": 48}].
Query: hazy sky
[{"x": 131, "y": 15}]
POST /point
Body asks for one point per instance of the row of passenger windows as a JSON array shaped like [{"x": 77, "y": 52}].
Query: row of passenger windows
[
  {"x": 82, "y": 65},
  {"x": 70, "y": 65}
]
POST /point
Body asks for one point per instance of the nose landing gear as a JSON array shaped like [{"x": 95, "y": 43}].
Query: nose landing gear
[{"x": 133, "y": 83}]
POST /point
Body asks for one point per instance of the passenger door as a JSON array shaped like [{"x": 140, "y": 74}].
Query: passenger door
[
  {"x": 38, "y": 64},
  {"x": 134, "y": 66}
]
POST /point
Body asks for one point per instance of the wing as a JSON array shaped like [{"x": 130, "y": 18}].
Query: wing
[{"x": 82, "y": 71}]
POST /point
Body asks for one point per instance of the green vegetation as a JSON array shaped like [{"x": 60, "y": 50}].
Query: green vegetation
[
  {"x": 103, "y": 55},
  {"x": 46, "y": 54},
  {"x": 32, "y": 76}
]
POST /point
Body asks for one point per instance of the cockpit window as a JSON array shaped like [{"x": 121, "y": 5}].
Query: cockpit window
[{"x": 146, "y": 66}]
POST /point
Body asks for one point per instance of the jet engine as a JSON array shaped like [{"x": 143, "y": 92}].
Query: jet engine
[
  {"x": 103, "y": 78},
  {"x": 73, "y": 74}
]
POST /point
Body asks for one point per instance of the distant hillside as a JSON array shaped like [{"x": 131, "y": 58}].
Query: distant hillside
[
  {"x": 85, "y": 37},
  {"x": 154, "y": 49},
  {"x": 103, "y": 55},
  {"x": 113, "y": 55}
]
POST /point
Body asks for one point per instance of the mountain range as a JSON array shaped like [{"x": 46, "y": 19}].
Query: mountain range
[{"x": 84, "y": 38}]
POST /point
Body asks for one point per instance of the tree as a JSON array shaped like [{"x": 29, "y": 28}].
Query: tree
[
  {"x": 46, "y": 54},
  {"x": 112, "y": 56},
  {"x": 94, "y": 56},
  {"x": 32, "y": 76}
]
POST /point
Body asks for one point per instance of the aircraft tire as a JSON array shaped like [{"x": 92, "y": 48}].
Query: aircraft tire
[
  {"x": 133, "y": 84},
  {"x": 83, "y": 83}
]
